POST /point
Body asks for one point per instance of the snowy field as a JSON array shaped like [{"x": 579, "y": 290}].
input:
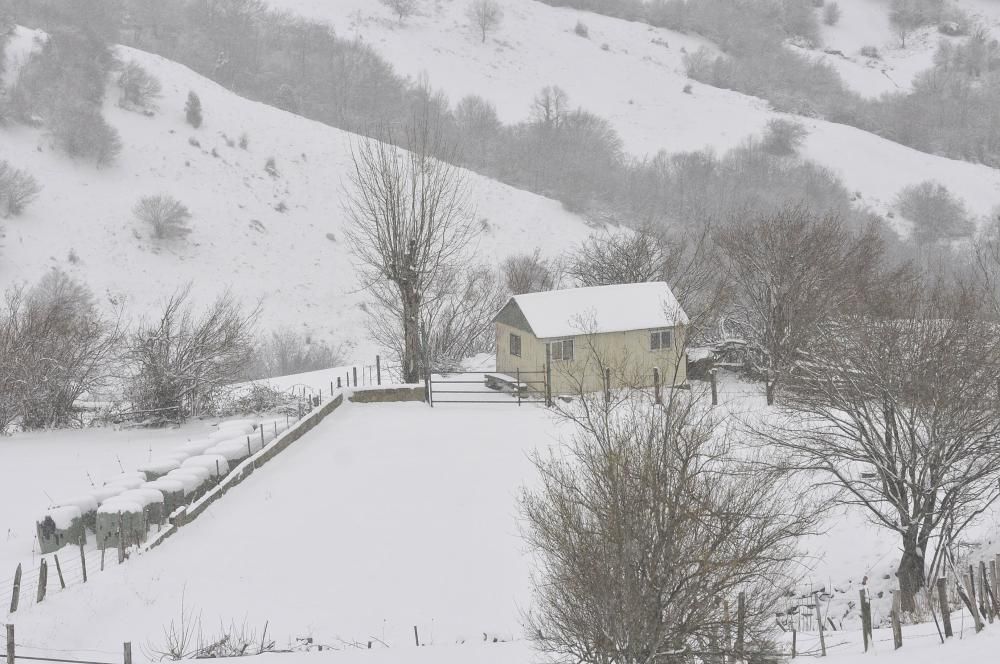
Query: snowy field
[
  {"x": 383, "y": 518},
  {"x": 536, "y": 46}
]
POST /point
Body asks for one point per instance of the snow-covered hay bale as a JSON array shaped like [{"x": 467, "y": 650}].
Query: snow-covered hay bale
[
  {"x": 215, "y": 464},
  {"x": 173, "y": 490},
  {"x": 151, "y": 501},
  {"x": 160, "y": 466},
  {"x": 235, "y": 450},
  {"x": 127, "y": 481},
  {"x": 87, "y": 504},
  {"x": 196, "y": 447},
  {"x": 58, "y": 527},
  {"x": 194, "y": 478},
  {"x": 105, "y": 493},
  {"x": 118, "y": 518}
]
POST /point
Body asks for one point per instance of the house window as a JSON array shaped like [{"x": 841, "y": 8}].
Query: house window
[
  {"x": 561, "y": 350},
  {"x": 515, "y": 345},
  {"x": 661, "y": 340}
]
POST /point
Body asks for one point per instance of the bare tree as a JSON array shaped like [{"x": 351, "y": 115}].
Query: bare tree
[
  {"x": 137, "y": 87},
  {"x": 644, "y": 525},
  {"x": 529, "y": 273},
  {"x": 54, "y": 346},
  {"x": 286, "y": 351},
  {"x": 18, "y": 189},
  {"x": 902, "y": 414},
  {"x": 402, "y": 8},
  {"x": 165, "y": 214},
  {"x": 618, "y": 257},
  {"x": 178, "y": 363},
  {"x": 485, "y": 15},
  {"x": 411, "y": 221},
  {"x": 793, "y": 272}
]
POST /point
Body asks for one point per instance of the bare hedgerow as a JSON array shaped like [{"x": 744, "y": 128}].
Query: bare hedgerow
[
  {"x": 18, "y": 189},
  {"x": 645, "y": 524},
  {"x": 137, "y": 87},
  {"x": 179, "y": 362},
  {"x": 529, "y": 273},
  {"x": 168, "y": 216}
]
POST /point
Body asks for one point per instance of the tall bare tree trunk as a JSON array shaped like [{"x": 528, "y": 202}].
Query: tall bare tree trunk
[
  {"x": 910, "y": 572},
  {"x": 411, "y": 333}
]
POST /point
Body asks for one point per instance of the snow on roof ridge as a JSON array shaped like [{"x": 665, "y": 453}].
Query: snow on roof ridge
[{"x": 601, "y": 309}]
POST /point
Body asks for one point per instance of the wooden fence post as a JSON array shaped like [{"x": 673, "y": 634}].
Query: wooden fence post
[
  {"x": 338, "y": 382},
  {"x": 793, "y": 640},
  {"x": 10, "y": 644},
  {"x": 548, "y": 376},
  {"x": 16, "y": 595},
  {"x": 866, "y": 618},
  {"x": 741, "y": 617},
  {"x": 715, "y": 387},
  {"x": 127, "y": 648},
  {"x": 355, "y": 370},
  {"x": 83, "y": 561},
  {"x": 416, "y": 636},
  {"x": 989, "y": 592},
  {"x": 62, "y": 582},
  {"x": 942, "y": 587},
  {"x": 897, "y": 628},
  {"x": 43, "y": 580},
  {"x": 378, "y": 369},
  {"x": 517, "y": 387},
  {"x": 607, "y": 386},
  {"x": 656, "y": 385},
  {"x": 974, "y": 606},
  {"x": 727, "y": 630},
  {"x": 819, "y": 623}
]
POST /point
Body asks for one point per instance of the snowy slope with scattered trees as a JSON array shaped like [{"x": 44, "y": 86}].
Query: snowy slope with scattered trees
[
  {"x": 633, "y": 75},
  {"x": 264, "y": 190}
]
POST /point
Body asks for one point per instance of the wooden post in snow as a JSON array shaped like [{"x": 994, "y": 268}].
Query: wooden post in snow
[
  {"x": 62, "y": 582},
  {"x": 715, "y": 387},
  {"x": 656, "y": 385},
  {"x": 43, "y": 581},
  {"x": 866, "y": 618},
  {"x": 989, "y": 592},
  {"x": 127, "y": 652},
  {"x": 819, "y": 623},
  {"x": 942, "y": 588},
  {"x": 378, "y": 369},
  {"x": 897, "y": 628},
  {"x": 15, "y": 596},
  {"x": 10, "y": 644},
  {"x": 416, "y": 636},
  {"x": 741, "y": 617},
  {"x": 727, "y": 630},
  {"x": 83, "y": 560},
  {"x": 355, "y": 371},
  {"x": 607, "y": 386}
]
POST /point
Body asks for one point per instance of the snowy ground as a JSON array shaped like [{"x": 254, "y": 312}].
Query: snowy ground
[
  {"x": 297, "y": 261},
  {"x": 382, "y": 518},
  {"x": 535, "y": 46}
]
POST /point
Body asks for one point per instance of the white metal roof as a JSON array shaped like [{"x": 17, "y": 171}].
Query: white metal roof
[{"x": 601, "y": 309}]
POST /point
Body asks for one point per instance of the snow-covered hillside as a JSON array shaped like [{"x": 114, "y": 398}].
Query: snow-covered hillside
[
  {"x": 295, "y": 260},
  {"x": 637, "y": 82}
]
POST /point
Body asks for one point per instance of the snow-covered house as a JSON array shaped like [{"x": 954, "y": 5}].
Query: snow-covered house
[{"x": 629, "y": 328}]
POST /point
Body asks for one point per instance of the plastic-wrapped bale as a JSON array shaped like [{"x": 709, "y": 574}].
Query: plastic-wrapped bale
[
  {"x": 172, "y": 490},
  {"x": 235, "y": 450},
  {"x": 88, "y": 504},
  {"x": 196, "y": 447},
  {"x": 160, "y": 466},
  {"x": 60, "y": 526},
  {"x": 215, "y": 464},
  {"x": 127, "y": 480},
  {"x": 118, "y": 515},
  {"x": 152, "y": 504},
  {"x": 194, "y": 478}
]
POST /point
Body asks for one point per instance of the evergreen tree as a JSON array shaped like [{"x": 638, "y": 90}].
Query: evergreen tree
[{"x": 193, "y": 110}]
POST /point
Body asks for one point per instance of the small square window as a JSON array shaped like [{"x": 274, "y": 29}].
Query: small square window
[
  {"x": 661, "y": 340},
  {"x": 515, "y": 345},
  {"x": 561, "y": 350}
]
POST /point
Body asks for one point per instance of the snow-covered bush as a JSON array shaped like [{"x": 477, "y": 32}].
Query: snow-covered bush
[
  {"x": 271, "y": 167},
  {"x": 287, "y": 351},
  {"x": 935, "y": 212},
  {"x": 783, "y": 137},
  {"x": 137, "y": 87},
  {"x": 80, "y": 131},
  {"x": 529, "y": 273},
  {"x": 582, "y": 30},
  {"x": 18, "y": 189},
  {"x": 168, "y": 216}
]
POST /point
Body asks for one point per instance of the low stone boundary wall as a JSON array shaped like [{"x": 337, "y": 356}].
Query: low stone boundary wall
[
  {"x": 188, "y": 513},
  {"x": 394, "y": 393}
]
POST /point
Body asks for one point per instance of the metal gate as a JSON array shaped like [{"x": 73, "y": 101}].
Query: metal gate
[{"x": 445, "y": 386}]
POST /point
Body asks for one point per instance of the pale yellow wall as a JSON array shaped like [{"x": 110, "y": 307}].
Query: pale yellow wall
[{"x": 627, "y": 354}]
